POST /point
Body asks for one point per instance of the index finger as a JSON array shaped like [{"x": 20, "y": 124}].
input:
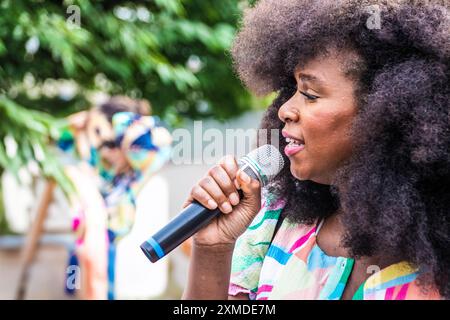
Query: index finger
[
  {"x": 187, "y": 202},
  {"x": 230, "y": 165}
]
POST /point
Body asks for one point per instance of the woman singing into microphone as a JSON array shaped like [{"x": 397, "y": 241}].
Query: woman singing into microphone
[{"x": 361, "y": 210}]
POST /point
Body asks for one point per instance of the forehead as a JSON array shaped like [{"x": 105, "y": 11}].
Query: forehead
[{"x": 328, "y": 69}]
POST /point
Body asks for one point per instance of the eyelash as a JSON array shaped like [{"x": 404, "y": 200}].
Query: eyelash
[{"x": 310, "y": 97}]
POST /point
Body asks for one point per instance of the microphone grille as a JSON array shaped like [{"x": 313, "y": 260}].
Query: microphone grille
[{"x": 266, "y": 160}]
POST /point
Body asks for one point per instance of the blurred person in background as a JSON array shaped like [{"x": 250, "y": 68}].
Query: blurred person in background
[{"x": 121, "y": 146}]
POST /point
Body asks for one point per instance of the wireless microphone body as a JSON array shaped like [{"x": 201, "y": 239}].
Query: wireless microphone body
[{"x": 262, "y": 164}]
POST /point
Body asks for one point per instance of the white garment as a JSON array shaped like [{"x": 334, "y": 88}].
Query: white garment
[{"x": 136, "y": 277}]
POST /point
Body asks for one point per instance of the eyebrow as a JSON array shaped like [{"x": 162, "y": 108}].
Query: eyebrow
[{"x": 304, "y": 77}]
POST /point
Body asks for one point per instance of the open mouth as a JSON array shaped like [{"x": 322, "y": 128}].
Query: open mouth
[
  {"x": 294, "y": 142},
  {"x": 294, "y": 145}
]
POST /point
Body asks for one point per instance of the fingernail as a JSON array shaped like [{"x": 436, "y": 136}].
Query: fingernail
[
  {"x": 245, "y": 177},
  {"x": 226, "y": 207},
  {"x": 234, "y": 199},
  {"x": 212, "y": 204}
]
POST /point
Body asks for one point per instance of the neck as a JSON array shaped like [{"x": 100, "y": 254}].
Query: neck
[{"x": 331, "y": 235}]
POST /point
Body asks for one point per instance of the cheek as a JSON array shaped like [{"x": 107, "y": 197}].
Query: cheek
[{"x": 327, "y": 137}]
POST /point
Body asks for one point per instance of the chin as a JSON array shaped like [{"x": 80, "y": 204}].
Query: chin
[{"x": 299, "y": 174}]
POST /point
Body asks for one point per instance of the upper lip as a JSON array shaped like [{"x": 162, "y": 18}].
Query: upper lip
[{"x": 288, "y": 135}]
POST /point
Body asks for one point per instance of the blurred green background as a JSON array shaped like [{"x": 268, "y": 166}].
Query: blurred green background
[{"x": 55, "y": 56}]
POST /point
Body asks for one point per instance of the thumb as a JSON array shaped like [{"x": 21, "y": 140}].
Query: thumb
[{"x": 250, "y": 187}]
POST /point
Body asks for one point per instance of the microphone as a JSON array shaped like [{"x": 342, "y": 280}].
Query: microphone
[{"x": 263, "y": 164}]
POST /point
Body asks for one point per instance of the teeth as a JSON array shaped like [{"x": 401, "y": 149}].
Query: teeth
[{"x": 293, "y": 142}]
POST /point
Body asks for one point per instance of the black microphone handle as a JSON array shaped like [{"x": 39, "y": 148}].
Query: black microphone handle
[
  {"x": 179, "y": 229},
  {"x": 182, "y": 227}
]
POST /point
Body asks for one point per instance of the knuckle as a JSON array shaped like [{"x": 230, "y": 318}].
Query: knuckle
[
  {"x": 205, "y": 181},
  {"x": 230, "y": 172},
  {"x": 222, "y": 178},
  {"x": 195, "y": 191},
  {"x": 228, "y": 162},
  {"x": 214, "y": 171}
]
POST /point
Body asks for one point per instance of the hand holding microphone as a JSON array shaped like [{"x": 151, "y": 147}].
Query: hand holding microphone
[
  {"x": 221, "y": 205},
  {"x": 220, "y": 188}
]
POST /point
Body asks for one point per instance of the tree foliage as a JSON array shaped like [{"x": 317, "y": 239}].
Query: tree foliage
[{"x": 55, "y": 54}]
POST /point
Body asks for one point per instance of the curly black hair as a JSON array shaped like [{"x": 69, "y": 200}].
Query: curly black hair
[{"x": 394, "y": 192}]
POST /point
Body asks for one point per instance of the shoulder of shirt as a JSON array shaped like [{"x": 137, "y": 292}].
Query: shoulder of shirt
[{"x": 398, "y": 281}]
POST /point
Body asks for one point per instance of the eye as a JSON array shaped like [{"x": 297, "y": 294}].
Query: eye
[{"x": 309, "y": 97}]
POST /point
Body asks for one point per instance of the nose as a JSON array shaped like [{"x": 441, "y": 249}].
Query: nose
[{"x": 288, "y": 113}]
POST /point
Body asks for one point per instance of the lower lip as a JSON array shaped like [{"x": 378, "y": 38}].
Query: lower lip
[{"x": 291, "y": 150}]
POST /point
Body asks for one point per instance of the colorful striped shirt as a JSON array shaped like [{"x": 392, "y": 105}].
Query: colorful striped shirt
[{"x": 292, "y": 266}]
